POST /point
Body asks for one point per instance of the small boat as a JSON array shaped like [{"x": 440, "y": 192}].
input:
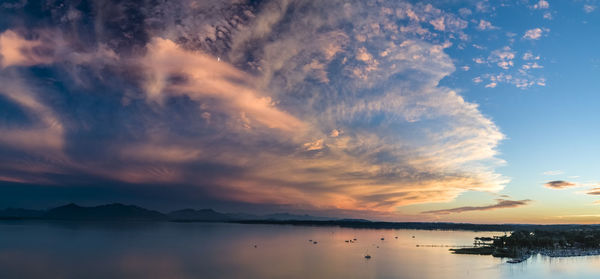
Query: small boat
[
  {"x": 314, "y": 242},
  {"x": 382, "y": 238},
  {"x": 367, "y": 257},
  {"x": 518, "y": 260},
  {"x": 396, "y": 237},
  {"x": 413, "y": 236}
]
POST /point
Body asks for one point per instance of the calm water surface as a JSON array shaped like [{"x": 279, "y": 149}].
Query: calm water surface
[{"x": 36, "y": 249}]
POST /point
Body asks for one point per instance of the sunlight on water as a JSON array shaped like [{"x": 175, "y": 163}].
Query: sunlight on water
[{"x": 212, "y": 250}]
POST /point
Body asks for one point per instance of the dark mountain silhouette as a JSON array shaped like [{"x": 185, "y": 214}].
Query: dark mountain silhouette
[
  {"x": 114, "y": 211},
  {"x": 287, "y": 216},
  {"x": 121, "y": 212},
  {"x": 117, "y": 211},
  {"x": 198, "y": 215}
]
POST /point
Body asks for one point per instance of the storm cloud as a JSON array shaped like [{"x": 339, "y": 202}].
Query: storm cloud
[{"x": 330, "y": 105}]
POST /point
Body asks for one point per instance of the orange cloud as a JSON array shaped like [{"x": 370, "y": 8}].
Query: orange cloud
[
  {"x": 281, "y": 117},
  {"x": 594, "y": 191},
  {"x": 46, "y": 135},
  {"x": 559, "y": 184},
  {"x": 200, "y": 77},
  {"x": 17, "y": 51},
  {"x": 500, "y": 204}
]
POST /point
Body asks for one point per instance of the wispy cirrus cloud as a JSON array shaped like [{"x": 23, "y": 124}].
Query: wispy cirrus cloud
[
  {"x": 553, "y": 172},
  {"x": 500, "y": 204}
]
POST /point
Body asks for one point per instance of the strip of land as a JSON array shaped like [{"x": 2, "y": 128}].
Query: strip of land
[
  {"x": 521, "y": 244},
  {"x": 423, "y": 225}
]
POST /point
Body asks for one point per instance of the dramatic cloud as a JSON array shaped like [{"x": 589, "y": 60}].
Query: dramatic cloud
[
  {"x": 501, "y": 203},
  {"x": 314, "y": 105},
  {"x": 559, "y": 184}
]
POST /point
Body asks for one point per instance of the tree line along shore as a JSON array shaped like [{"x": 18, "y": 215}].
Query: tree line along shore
[{"x": 521, "y": 244}]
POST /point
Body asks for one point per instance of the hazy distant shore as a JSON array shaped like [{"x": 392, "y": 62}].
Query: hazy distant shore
[
  {"x": 121, "y": 212},
  {"x": 422, "y": 225}
]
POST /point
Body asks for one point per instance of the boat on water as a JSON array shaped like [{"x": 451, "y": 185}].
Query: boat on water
[
  {"x": 367, "y": 256},
  {"x": 518, "y": 260}
]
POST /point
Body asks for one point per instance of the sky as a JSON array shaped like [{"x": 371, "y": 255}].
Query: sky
[{"x": 459, "y": 111}]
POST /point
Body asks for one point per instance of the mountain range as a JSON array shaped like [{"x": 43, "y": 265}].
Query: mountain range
[{"x": 118, "y": 211}]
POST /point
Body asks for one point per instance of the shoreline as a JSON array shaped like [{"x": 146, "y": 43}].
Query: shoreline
[
  {"x": 575, "y": 252},
  {"x": 356, "y": 224}
]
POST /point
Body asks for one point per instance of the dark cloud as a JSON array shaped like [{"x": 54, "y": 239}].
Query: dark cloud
[
  {"x": 332, "y": 105},
  {"x": 594, "y": 191},
  {"x": 559, "y": 184},
  {"x": 501, "y": 203}
]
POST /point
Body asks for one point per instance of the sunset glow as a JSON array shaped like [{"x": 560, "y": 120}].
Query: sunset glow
[{"x": 480, "y": 111}]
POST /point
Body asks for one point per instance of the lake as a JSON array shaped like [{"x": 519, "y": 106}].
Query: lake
[{"x": 43, "y": 249}]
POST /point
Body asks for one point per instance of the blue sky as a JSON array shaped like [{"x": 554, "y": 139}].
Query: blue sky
[
  {"x": 550, "y": 134},
  {"x": 477, "y": 111}
]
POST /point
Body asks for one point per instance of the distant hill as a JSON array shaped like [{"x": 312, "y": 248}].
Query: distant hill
[
  {"x": 198, "y": 215},
  {"x": 114, "y": 211},
  {"x": 287, "y": 217},
  {"x": 121, "y": 212},
  {"x": 118, "y": 211}
]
